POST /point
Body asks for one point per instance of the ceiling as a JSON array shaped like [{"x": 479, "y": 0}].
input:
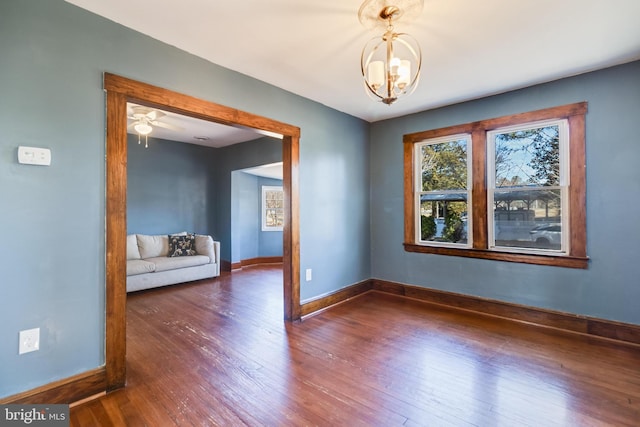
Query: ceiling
[
  {"x": 271, "y": 170},
  {"x": 194, "y": 131},
  {"x": 471, "y": 48},
  {"x": 187, "y": 129}
]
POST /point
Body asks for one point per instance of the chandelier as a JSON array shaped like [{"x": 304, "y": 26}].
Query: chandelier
[{"x": 391, "y": 63}]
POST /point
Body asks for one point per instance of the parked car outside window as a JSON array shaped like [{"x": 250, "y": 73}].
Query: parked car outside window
[{"x": 547, "y": 234}]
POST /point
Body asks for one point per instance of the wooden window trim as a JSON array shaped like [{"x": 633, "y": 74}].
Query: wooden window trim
[{"x": 577, "y": 257}]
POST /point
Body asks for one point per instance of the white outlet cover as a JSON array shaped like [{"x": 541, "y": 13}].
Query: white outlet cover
[{"x": 29, "y": 340}]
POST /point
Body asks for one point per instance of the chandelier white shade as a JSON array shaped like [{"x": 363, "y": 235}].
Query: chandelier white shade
[{"x": 390, "y": 63}]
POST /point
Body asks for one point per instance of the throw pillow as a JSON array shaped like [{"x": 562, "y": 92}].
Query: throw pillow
[{"x": 182, "y": 245}]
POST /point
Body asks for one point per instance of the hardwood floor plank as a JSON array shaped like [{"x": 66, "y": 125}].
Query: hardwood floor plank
[{"x": 217, "y": 353}]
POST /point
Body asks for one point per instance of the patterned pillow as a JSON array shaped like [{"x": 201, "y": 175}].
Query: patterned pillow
[{"x": 182, "y": 245}]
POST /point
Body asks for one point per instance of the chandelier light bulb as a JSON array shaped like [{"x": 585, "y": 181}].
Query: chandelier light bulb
[
  {"x": 394, "y": 64},
  {"x": 376, "y": 74},
  {"x": 404, "y": 74}
]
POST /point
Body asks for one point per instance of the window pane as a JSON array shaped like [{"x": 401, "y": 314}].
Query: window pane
[
  {"x": 274, "y": 217},
  {"x": 444, "y": 166},
  {"x": 280, "y": 218},
  {"x": 272, "y": 208},
  {"x": 528, "y": 157},
  {"x": 528, "y": 219},
  {"x": 443, "y": 218}
]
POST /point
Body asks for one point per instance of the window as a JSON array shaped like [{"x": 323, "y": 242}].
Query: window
[
  {"x": 443, "y": 190},
  {"x": 527, "y": 187},
  {"x": 272, "y": 208},
  {"x": 510, "y": 188}
]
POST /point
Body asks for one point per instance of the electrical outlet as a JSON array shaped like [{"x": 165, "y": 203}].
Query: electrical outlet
[
  {"x": 29, "y": 341},
  {"x": 308, "y": 274}
]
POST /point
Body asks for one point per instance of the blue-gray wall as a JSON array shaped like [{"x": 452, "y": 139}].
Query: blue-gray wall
[
  {"x": 610, "y": 287},
  {"x": 247, "y": 238},
  {"x": 234, "y": 158},
  {"x": 53, "y": 56},
  {"x": 244, "y": 208},
  {"x": 170, "y": 187},
  {"x": 173, "y": 187}
]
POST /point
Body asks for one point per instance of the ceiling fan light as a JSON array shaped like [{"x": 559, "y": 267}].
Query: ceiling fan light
[{"x": 143, "y": 128}]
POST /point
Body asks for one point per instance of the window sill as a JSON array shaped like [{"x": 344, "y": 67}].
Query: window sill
[{"x": 550, "y": 260}]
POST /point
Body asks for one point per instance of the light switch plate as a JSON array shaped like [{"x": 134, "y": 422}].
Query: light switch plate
[{"x": 34, "y": 156}]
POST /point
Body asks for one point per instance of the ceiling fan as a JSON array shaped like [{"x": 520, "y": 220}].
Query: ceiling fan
[{"x": 145, "y": 118}]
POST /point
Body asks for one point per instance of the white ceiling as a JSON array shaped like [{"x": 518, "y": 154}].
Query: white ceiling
[
  {"x": 272, "y": 170},
  {"x": 471, "y": 48},
  {"x": 201, "y": 132},
  {"x": 194, "y": 131}
]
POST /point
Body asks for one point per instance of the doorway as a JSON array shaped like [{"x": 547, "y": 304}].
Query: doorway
[
  {"x": 257, "y": 215},
  {"x": 121, "y": 90}
]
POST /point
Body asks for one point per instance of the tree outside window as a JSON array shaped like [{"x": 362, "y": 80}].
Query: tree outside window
[{"x": 443, "y": 181}]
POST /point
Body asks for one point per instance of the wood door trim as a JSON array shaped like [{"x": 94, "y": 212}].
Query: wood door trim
[{"x": 121, "y": 90}]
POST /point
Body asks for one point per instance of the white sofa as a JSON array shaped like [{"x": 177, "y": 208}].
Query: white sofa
[{"x": 149, "y": 264}]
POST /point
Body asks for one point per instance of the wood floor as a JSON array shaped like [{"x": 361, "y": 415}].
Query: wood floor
[{"x": 217, "y": 353}]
